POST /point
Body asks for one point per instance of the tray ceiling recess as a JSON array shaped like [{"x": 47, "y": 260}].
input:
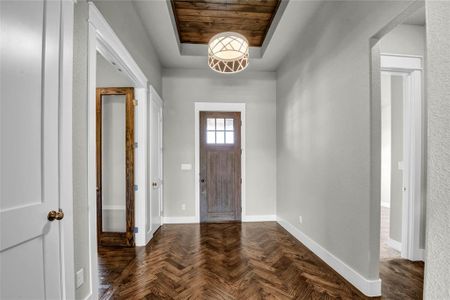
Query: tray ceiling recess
[{"x": 199, "y": 20}]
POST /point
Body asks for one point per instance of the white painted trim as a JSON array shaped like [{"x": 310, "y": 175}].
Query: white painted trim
[
  {"x": 369, "y": 287},
  {"x": 110, "y": 46},
  {"x": 218, "y": 106},
  {"x": 92, "y": 166},
  {"x": 180, "y": 220},
  {"x": 395, "y": 62},
  {"x": 88, "y": 297},
  {"x": 140, "y": 165},
  {"x": 259, "y": 218},
  {"x": 102, "y": 38},
  {"x": 411, "y": 68},
  {"x": 66, "y": 155},
  {"x": 421, "y": 255},
  {"x": 386, "y": 204},
  {"x": 395, "y": 245},
  {"x": 154, "y": 98}
]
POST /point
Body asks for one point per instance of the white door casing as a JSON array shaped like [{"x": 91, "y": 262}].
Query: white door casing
[
  {"x": 36, "y": 259},
  {"x": 411, "y": 68},
  {"x": 155, "y": 161}
]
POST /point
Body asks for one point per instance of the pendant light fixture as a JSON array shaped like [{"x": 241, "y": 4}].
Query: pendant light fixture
[{"x": 228, "y": 52}]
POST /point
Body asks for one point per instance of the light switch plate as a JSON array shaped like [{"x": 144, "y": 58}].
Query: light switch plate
[{"x": 186, "y": 167}]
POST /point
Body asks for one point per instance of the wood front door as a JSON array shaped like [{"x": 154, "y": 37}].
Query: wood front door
[
  {"x": 115, "y": 166},
  {"x": 220, "y": 166}
]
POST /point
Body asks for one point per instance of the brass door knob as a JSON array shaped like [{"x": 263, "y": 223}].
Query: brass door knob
[{"x": 55, "y": 215}]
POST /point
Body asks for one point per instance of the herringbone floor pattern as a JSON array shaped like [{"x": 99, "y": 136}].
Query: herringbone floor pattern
[{"x": 220, "y": 261}]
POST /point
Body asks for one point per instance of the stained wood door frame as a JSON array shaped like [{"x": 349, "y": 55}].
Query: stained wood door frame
[
  {"x": 102, "y": 39},
  {"x": 225, "y": 107},
  {"x": 117, "y": 238}
]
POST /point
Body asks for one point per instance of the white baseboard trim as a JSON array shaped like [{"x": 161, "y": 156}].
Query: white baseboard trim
[
  {"x": 420, "y": 255},
  {"x": 368, "y": 287},
  {"x": 395, "y": 245},
  {"x": 259, "y": 218},
  {"x": 180, "y": 220}
]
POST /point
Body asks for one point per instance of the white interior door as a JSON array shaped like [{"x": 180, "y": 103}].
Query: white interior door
[
  {"x": 155, "y": 164},
  {"x": 30, "y": 257}
]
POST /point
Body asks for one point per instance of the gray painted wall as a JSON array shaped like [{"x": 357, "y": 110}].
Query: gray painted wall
[
  {"x": 385, "y": 139},
  {"x": 395, "y": 230},
  {"x": 80, "y": 95},
  {"x": 109, "y": 76},
  {"x": 181, "y": 88},
  {"x": 323, "y": 131},
  {"x": 404, "y": 39},
  {"x": 123, "y": 19},
  {"x": 113, "y": 164},
  {"x": 126, "y": 23},
  {"x": 437, "y": 275}
]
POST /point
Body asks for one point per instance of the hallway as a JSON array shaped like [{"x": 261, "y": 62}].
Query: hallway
[{"x": 236, "y": 261}]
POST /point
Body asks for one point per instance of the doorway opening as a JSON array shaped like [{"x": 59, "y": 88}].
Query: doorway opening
[
  {"x": 110, "y": 65},
  {"x": 220, "y": 166},
  {"x": 398, "y": 148},
  {"x": 115, "y": 166}
]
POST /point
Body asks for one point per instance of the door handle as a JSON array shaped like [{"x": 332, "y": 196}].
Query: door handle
[
  {"x": 202, "y": 180},
  {"x": 154, "y": 184},
  {"x": 55, "y": 215}
]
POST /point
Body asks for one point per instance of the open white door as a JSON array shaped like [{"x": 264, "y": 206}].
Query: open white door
[
  {"x": 155, "y": 147},
  {"x": 31, "y": 122}
]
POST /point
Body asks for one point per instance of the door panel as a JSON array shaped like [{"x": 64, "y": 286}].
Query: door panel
[
  {"x": 220, "y": 166},
  {"x": 113, "y": 163},
  {"x": 29, "y": 108},
  {"x": 115, "y": 166},
  {"x": 155, "y": 164}
]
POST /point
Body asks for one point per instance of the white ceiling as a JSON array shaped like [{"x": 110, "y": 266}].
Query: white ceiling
[
  {"x": 417, "y": 18},
  {"x": 156, "y": 16}
]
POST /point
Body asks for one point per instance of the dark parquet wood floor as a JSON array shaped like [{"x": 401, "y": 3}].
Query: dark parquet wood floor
[{"x": 236, "y": 261}]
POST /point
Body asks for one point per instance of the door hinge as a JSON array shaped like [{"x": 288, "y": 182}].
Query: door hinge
[
  {"x": 136, "y": 229},
  {"x": 135, "y": 145},
  {"x": 241, "y": 180},
  {"x": 135, "y": 102},
  {"x": 135, "y": 187}
]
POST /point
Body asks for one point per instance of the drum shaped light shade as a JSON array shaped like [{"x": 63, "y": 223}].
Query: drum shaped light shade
[{"x": 228, "y": 52}]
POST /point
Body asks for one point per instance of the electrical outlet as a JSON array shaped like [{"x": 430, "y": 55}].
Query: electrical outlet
[
  {"x": 183, "y": 206},
  {"x": 79, "y": 277},
  {"x": 300, "y": 219}
]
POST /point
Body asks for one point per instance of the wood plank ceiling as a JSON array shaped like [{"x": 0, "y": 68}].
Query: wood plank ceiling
[{"x": 198, "y": 20}]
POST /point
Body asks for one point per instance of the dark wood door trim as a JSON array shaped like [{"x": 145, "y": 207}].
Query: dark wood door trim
[
  {"x": 117, "y": 238},
  {"x": 225, "y": 156}
]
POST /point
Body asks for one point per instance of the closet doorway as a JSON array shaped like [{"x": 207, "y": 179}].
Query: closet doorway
[{"x": 115, "y": 166}]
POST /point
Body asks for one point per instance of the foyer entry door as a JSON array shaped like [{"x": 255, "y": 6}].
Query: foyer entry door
[{"x": 220, "y": 166}]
